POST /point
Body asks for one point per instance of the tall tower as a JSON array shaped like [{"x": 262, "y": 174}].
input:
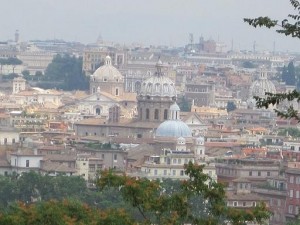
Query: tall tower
[
  {"x": 199, "y": 149},
  {"x": 17, "y": 36}
]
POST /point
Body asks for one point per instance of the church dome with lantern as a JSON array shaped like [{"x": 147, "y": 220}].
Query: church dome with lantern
[
  {"x": 107, "y": 72},
  {"x": 158, "y": 85},
  {"x": 261, "y": 86},
  {"x": 108, "y": 78},
  {"x": 173, "y": 127}
]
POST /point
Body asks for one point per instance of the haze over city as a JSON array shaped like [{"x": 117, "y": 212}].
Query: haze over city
[{"x": 157, "y": 22}]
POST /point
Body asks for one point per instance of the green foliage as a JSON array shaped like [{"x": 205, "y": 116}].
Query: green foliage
[
  {"x": 184, "y": 104},
  {"x": 289, "y": 26},
  {"x": 65, "y": 72},
  {"x": 64, "y": 212},
  {"x": 198, "y": 200},
  {"x": 289, "y": 29},
  {"x": 230, "y": 106},
  {"x": 10, "y": 61},
  {"x": 248, "y": 64},
  {"x": 289, "y": 75},
  {"x": 291, "y": 131},
  {"x": 272, "y": 99},
  {"x": 32, "y": 186}
]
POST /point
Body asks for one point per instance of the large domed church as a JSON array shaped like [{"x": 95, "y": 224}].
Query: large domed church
[
  {"x": 156, "y": 96},
  {"x": 108, "y": 79}
]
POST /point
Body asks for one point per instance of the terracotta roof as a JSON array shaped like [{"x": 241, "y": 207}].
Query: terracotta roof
[
  {"x": 56, "y": 167},
  {"x": 60, "y": 157},
  {"x": 231, "y": 195}
]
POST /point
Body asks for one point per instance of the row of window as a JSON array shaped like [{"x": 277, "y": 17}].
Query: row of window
[
  {"x": 294, "y": 179},
  {"x": 296, "y": 194},
  {"x": 165, "y": 172},
  {"x": 244, "y": 204},
  {"x": 156, "y": 114},
  {"x": 293, "y": 209}
]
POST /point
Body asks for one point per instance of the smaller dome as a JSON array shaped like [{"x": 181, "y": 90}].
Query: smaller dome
[
  {"x": 173, "y": 128},
  {"x": 107, "y": 72},
  {"x": 261, "y": 86},
  {"x": 174, "y": 107},
  {"x": 200, "y": 141}
]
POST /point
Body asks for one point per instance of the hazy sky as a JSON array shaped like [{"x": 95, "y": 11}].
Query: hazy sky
[{"x": 150, "y": 22}]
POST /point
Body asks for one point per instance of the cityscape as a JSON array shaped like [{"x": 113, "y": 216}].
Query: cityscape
[{"x": 150, "y": 112}]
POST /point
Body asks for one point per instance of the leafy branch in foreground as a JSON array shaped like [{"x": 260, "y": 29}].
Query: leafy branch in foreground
[
  {"x": 275, "y": 99},
  {"x": 160, "y": 206},
  {"x": 289, "y": 27}
]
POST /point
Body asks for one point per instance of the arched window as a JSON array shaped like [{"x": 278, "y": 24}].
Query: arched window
[
  {"x": 165, "y": 114},
  {"x": 98, "y": 111},
  {"x": 147, "y": 114},
  {"x": 156, "y": 114}
]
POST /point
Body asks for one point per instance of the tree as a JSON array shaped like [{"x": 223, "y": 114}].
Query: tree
[
  {"x": 230, "y": 106},
  {"x": 65, "y": 72},
  {"x": 158, "y": 205},
  {"x": 64, "y": 212},
  {"x": 289, "y": 26},
  {"x": 291, "y": 131},
  {"x": 289, "y": 29},
  {"x": 249, "y": 65},
  {"x": 10, "y": 61}
]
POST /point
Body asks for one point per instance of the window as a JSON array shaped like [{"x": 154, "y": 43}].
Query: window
[
  {"x": 244, "y": 204},
  {"x": 165, "y": 114},
  {"x": 181, "y": 172},
  {"x": 298, "y": 180},
  {"x": 291, "y": 193},
  {"x": 290, "y": 209},
  {"x": 253, "y": 204},
  {"x": 27, "y": 163},
  {"x": 165, "y": 172},
  {"x": 291, "y": 179},
  {"x": 84, "y": 164},
  {"x": 259, "y": 173},
  {"x": 117, "y": 92},
  {"x": 147, "y": 114},
  {"x": 174, "y": 161},
  {"x": 268, "y": 174},
  {"x": 103, "y": 156},
  {"x": 179, "y": 161},
  {"x": 155, "y": 172},
  {"x": 297, "y": 194},
  {"x": 174, "y": 172},
  {"x": 279, "y": 202},
  {"x": 235, "y": 204},
  {"x": 156, "y": 114},
  {"x": 296, "y": 210},
  {"x": 115, "y": 157},
  {"x": 250, "y": 173}
]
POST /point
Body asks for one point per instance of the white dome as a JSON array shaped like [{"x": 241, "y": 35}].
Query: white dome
[
  {"x": 261, "y": 86},
  {"x": 173, "y": 128},
  {"x": 108, "y": 72},
  {"x": 158, "y": 85}
]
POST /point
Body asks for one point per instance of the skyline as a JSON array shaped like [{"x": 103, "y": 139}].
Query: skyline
[{"x": 158, "y": 23}]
